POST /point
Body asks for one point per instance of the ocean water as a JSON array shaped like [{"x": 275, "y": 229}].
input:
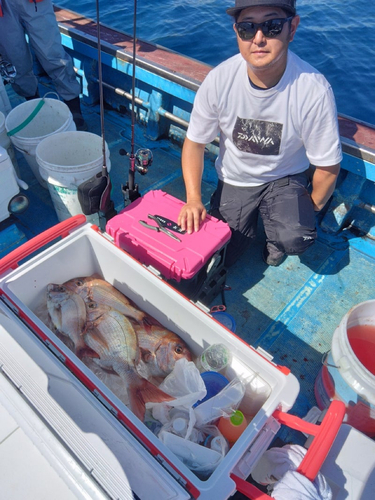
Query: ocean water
[{"x": 337, "y": 37}]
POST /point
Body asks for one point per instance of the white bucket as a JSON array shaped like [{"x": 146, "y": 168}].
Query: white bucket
[
  {"x": 348, "y": 371},
  {"x": 53, "y": 117},
  {"x": 350, "y": 356},
  {"x": 65, "y": 161},
  {"x": 5, "y": 106},
  {"x": 6, "y": 143}
]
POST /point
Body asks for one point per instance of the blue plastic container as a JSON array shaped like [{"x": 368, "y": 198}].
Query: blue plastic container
[
  {"x": 225, "y": 319},
  {"x": 214, "y": 383}
]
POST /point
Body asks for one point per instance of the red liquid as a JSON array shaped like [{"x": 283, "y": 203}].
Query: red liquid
[{"x": 362, "y": 341}]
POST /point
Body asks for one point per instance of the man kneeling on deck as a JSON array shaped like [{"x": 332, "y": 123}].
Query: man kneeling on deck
[{"x": 277, "y": 120}]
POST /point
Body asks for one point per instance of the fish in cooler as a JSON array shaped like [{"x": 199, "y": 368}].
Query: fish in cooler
[
  {"x": 95, "y": 289},
  {"x": 105, "y": 325},
  {"x": 111, "y": 335},
  {"x": 160, "y": 349},
  {"x": 67, "y": 311}
]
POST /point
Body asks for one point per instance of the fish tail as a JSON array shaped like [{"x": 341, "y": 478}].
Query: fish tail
[
  {"x": 153, "y": 394},
  {"x": 142, "y": 393}
]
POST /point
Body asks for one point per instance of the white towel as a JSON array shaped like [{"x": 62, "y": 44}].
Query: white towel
[
  {"x": 295, "y": 486},
  {"x": 277, "y": 468}
]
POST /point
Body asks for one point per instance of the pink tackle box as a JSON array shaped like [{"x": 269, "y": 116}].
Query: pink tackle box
[{"x": 194, "y": 265}]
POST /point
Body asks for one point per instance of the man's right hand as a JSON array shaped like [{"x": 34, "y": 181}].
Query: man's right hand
[{"x": 191, "y": 216}]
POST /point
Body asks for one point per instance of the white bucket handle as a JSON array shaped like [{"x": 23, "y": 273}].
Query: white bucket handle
[
  {"x": 52, "y": 93},
  {"x": 325, "y": 363}
]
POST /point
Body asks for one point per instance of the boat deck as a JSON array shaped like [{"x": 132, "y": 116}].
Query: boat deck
[{"x": 290, "y": 311}]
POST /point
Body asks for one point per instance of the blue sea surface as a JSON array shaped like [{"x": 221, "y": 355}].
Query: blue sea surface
[{"x": 337, "y": 37}]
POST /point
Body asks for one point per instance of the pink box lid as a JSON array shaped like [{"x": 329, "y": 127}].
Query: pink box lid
[{"x": 174, "y": 259}]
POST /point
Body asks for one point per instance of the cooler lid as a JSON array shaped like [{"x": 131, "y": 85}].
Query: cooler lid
[{"x": 174, "y": 259}]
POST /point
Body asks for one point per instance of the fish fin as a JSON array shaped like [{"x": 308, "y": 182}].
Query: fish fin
[
  {"x": 143, "y": 392},
  {"x": 86, "y": 351},
  {"x": 96, "y": 276},
  {"x": 151, "y": 393},
  {"x": 137, "y": 404}
]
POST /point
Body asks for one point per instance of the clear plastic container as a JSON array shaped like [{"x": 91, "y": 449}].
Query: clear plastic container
[{"x": 215, "y": 358}]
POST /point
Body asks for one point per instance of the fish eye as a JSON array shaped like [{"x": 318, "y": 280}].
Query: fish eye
[
  {"x": 178, "y": 349},
  {"x": 92, "y": 305},
  {"x": 79, "y": 283},
  {"x": 61, "y": 288}
]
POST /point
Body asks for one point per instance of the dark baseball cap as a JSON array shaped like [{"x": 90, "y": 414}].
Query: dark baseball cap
[{"x": 288, "y": 5}]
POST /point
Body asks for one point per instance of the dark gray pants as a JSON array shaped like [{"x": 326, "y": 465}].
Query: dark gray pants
[{"x": 286, "y": 210}]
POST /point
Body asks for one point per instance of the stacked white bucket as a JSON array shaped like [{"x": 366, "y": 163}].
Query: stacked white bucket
[
  {"x": 6, "y": 143},
  {"x": 60, "y": 157},
  {"x": 65, "y": 161},
  {"x": 54, "y": 117}
]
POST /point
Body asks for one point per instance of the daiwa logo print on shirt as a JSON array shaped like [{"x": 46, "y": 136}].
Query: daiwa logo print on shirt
[{"x": 257, "y": 136}]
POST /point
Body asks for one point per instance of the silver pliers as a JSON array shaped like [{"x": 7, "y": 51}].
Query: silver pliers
[{"x": 159, "y": 227}]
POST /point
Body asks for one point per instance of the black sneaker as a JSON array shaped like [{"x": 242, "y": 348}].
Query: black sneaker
[
  {"x": 81, "y": 125},
  {"x": 30, "y": 97},
  {"x": 272, "y": 260},
  {"x": 74, "y": 106}
]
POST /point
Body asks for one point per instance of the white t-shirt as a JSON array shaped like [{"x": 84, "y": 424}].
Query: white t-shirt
[{"x": 266, "y": 134}]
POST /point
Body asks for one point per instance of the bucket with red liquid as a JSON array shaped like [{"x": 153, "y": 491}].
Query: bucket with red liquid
[{"x": 348, "y": 371}]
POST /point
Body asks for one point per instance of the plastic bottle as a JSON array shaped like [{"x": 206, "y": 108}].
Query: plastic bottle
[
  {"x": 232, "y": 427},
  {"x": 215, "y": 358},
  {"x": 180, "y": 426}
]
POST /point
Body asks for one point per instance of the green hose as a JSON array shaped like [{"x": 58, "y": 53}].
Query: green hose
[{"x": 28, "y": 119}]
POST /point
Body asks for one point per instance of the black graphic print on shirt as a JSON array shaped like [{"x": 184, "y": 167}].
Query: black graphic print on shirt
[{"x": 257, "y": 136}]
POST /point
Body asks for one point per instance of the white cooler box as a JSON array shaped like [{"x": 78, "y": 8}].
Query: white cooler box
[{"x": 82, "y": 251}]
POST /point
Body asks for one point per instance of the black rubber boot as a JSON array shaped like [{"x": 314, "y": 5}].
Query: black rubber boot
[
  {"x": 75, "y": 108},
  {"x": 36, "y": 96}
]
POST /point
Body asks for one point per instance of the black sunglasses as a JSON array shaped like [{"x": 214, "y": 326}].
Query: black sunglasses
[{"x": 270, "y": 29}]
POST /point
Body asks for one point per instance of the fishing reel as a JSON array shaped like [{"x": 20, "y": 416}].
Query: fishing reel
[
  {"x": 140, "y": 162},
  {"x": 7, "y": 71},
  {"x": 143, "y": 160}
]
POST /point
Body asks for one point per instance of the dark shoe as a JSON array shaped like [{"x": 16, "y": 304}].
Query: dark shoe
[
  {"x": 272, "y": 260},
  {"x": 81, "y": 125},
  {"x": 74, "y": 106},
  {"x": 36, "y": 96}
]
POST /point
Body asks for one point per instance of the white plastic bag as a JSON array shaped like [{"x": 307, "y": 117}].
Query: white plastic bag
[
  {"x": 201, "y": 459},
  {"x": 185, "y": 384},
  {"x": 222, "y": 404}
]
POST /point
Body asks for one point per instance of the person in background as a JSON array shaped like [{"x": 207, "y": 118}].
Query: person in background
[
  {"x": 277, "y": 120},
  {"x": 36, "y": 18}
]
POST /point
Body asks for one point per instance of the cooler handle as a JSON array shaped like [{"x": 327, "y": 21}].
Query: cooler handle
[
  {"x": 62, "y": 229},
  {"x": 325, "y": 434}
]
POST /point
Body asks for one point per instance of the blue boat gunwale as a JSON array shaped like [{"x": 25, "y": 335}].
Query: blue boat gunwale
[{"x": 358, "y": 137}]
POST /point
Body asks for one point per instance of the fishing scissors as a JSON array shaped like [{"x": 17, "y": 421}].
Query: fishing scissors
[{"x": 159, "y": 227}]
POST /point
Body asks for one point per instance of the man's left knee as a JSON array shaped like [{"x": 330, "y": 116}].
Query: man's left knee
[{"x": 299, "y": 244}]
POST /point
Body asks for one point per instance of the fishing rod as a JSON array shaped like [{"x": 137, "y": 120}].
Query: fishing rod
[
  {"x": 142, "y": 159},
  {"x": 94, "y": 194}
]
